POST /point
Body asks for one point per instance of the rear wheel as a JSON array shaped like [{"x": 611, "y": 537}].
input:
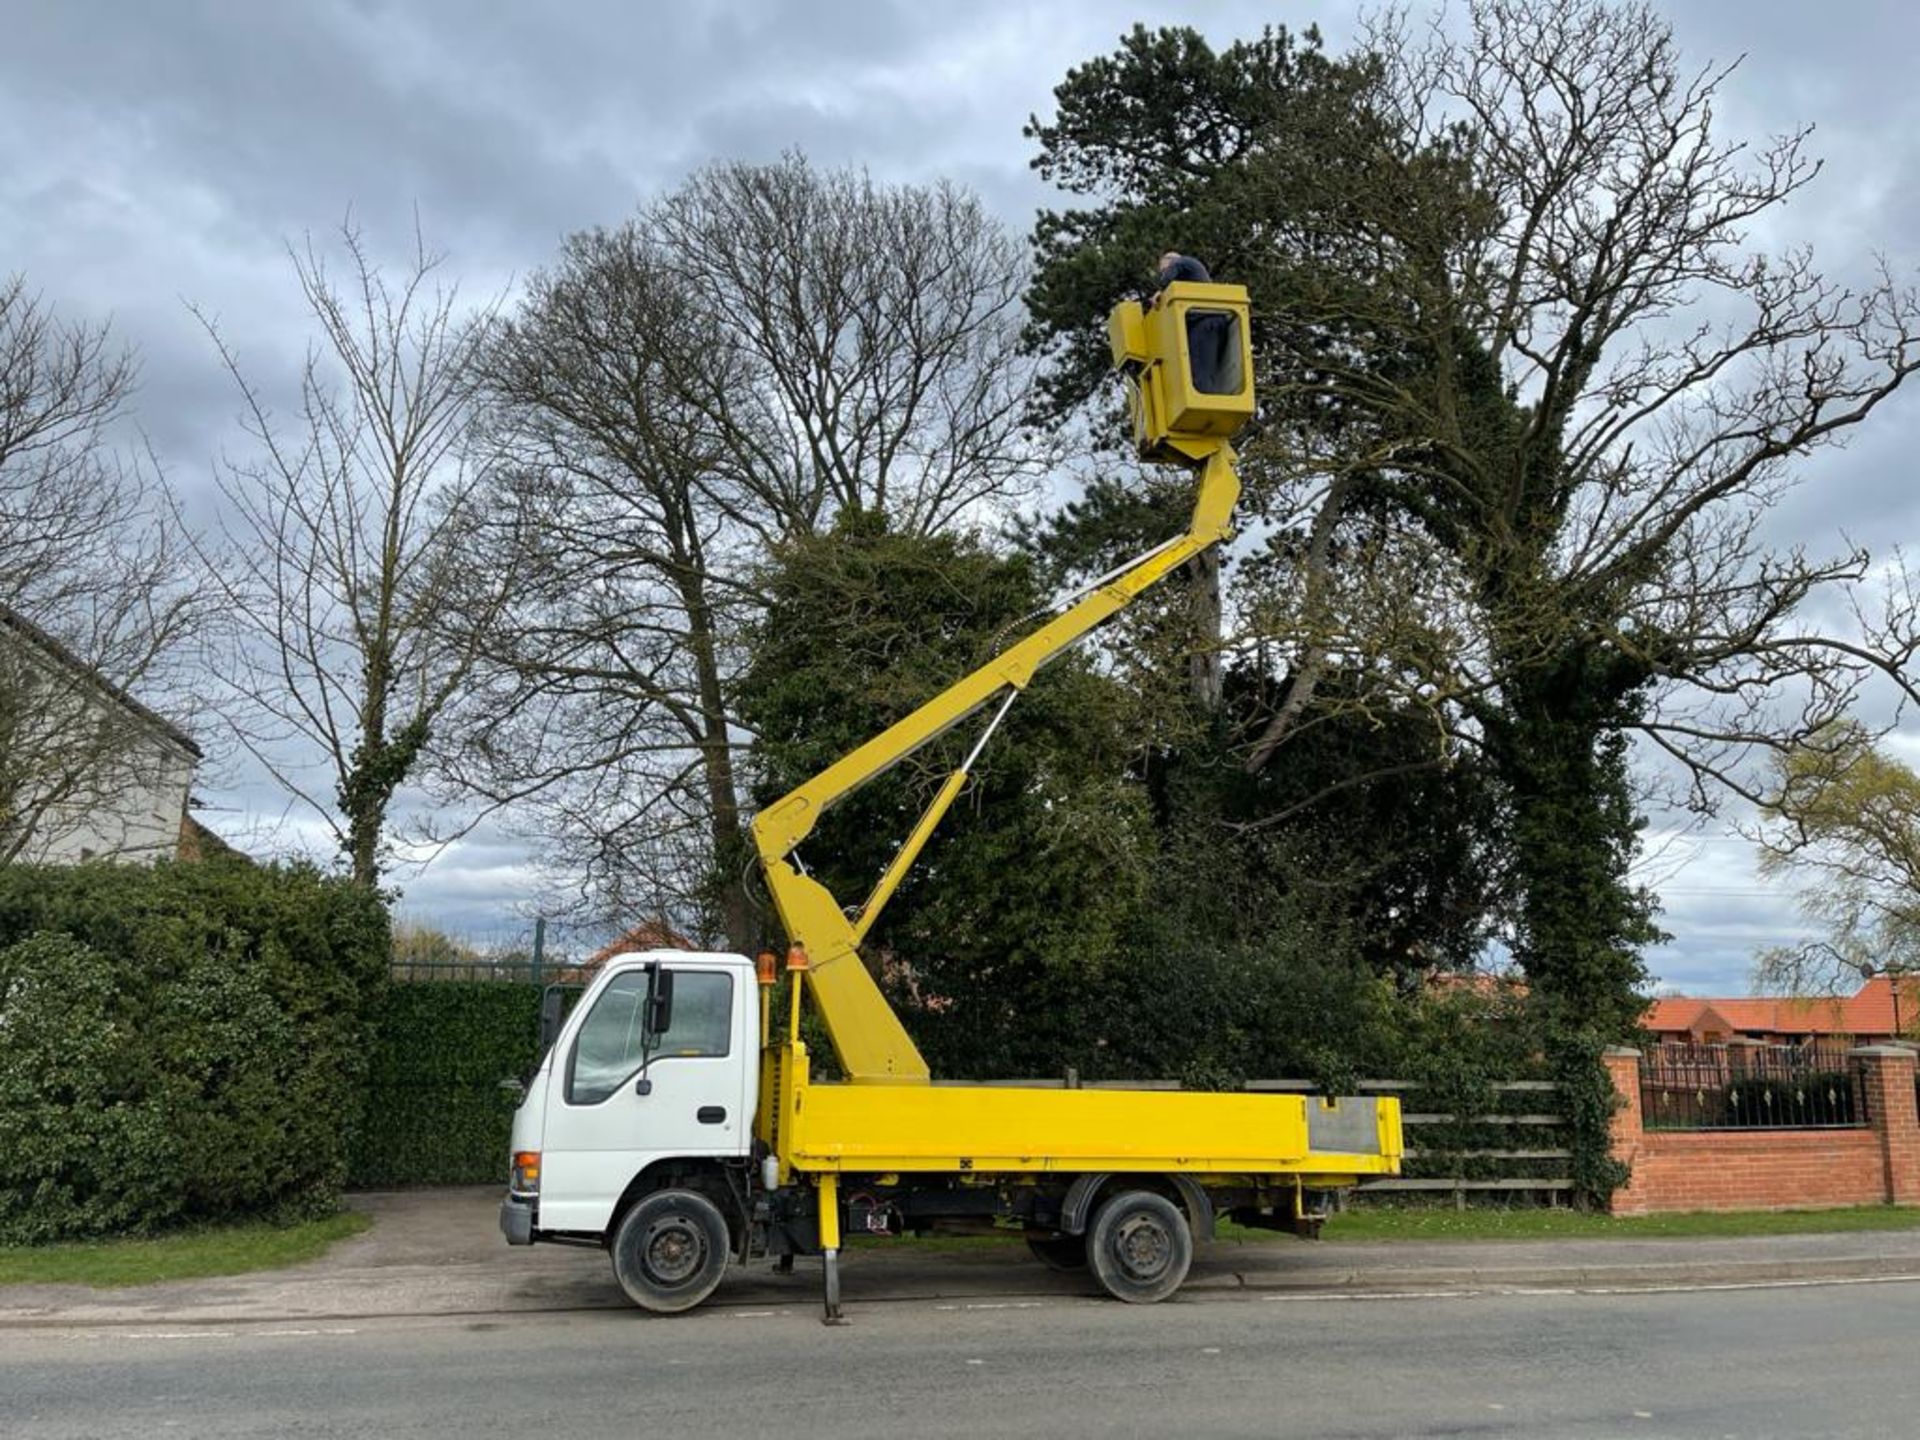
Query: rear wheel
[
  {"x": 1058, "y": 1252},
  {"x": 1140, "y": 1247},
  {"x": 670, "y": 1251}
]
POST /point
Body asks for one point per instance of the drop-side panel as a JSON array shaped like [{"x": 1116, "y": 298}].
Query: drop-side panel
[{"x": 875, "y": 1127}]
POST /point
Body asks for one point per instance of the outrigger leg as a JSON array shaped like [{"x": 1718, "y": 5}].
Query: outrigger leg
[{"x": 829, "y": 1200}]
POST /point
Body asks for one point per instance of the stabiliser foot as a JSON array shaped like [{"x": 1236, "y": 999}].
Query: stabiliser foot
[{"x": 831, "y": 1268}]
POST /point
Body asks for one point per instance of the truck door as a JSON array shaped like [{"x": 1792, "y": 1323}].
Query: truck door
[{"x": 601, "y": 1129}]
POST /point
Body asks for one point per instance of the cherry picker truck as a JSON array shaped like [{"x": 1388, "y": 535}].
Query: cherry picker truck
[{"x": 669, "y": 1125}]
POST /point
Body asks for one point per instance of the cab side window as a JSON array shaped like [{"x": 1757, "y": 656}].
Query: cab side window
[
  {"x": 609, "y": 1049},
  {"x": 702, "y": 1016}
]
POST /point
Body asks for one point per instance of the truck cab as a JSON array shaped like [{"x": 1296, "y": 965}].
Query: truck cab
[{"x": 613, "y": 1097}]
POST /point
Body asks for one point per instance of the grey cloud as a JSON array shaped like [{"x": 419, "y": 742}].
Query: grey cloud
[{"x": 151, "y": 154}]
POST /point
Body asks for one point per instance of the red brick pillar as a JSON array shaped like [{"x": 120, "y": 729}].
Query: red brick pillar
[
  {"x": 1887, "y": 1073},
  {"x": 1623, "y": 1064}
]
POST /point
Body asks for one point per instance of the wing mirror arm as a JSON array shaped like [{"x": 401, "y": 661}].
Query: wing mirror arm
[{"x": 656, "y": 1019}]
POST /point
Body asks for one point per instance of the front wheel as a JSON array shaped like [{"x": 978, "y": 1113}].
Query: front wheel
[
  {"x": 670, "y": 1251},
  {"x": 1140, "y": 1247}
]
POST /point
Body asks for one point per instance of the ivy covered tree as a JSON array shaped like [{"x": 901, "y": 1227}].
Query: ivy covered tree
[
  {"x": 345, "y": 544},
  {"x": 1502, "y": 481}
]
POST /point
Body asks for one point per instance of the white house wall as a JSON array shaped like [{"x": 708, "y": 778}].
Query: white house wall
[
  {"x": 125, "y": 776},
  {"x": 133, "y": 811}
]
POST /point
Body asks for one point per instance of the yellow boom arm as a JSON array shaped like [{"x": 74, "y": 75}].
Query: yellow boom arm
[{"x": 868, "y": 1038}]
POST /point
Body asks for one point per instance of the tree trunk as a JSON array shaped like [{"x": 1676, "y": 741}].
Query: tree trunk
[
  {"x": 736, "y": 913},
  {"x": 362, "y": 802},
  {"x": 1203, "y": 662},
  {"x": 1581, "y": 923}
]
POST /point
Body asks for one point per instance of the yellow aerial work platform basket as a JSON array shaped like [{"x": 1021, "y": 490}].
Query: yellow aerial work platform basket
[{"x": 1188, "y": 359}]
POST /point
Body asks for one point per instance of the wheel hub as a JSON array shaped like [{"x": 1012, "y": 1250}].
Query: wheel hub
[
  {"x": 1143, "y": 1247},
  {"x": 674, "y": 1249}
]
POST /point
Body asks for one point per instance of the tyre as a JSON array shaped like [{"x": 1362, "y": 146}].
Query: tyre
[
  {"x": 1139, "y": 1247},
  {"x": 1058, "y": 1252},
  {"x": 670, "y": 1251}
]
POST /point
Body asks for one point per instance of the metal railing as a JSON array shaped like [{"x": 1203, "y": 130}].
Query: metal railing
[
  {"x": 1751, "y": 1087},
  {"x": 514, "y": 968}
]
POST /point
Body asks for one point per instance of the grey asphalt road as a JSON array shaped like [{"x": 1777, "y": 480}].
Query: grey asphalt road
[{"x": 1809, "y": 1360}]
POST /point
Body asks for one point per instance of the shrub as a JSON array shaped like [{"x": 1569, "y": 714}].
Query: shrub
[
  {"x": 435, "y": 1112},
  {"x": 87, "y": 1145},
  {"x": 181, "y": 1043}
]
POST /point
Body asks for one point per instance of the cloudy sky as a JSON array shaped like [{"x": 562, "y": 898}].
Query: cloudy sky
[{"x": 154, "y": 156}]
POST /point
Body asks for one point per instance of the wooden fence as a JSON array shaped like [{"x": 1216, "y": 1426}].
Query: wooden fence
[{"x": 1517, "y": 1150}]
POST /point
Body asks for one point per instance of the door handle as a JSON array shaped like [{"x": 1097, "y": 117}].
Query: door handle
[{"x": 711, "y": 1114}]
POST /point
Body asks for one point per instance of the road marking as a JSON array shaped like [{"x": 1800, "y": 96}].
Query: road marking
[
  {"x": 976, "y": 1362},
  {"x": 998, "y": 1305},
  {"x": 1386, "y": 1295},
  {"x": 1695, "y": 1288},
  {"x": 1209, "y": 1349},
  {"x": 159, "y": 1335},
  {"x": 1809, "y": 1284},
  {"x": 302, "y": 1333}
]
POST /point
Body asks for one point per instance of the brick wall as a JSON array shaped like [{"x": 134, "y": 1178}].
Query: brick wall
[{"x": 1773, "y": 1169}]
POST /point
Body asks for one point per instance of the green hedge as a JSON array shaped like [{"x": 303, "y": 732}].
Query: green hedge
[
  {"x": 178, "y": 1043},
  {"x": 435, "y": 1112}
]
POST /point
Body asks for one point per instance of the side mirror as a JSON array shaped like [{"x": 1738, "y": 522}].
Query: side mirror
[{"x": 659, "y": 1017}]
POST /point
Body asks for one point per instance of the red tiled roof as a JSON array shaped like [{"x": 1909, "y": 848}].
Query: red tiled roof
[
  {"x": 1672, "y": 1013},
  {"x": 1484, "y": 984},
  {"x": 1868, "y": 1012},
  {"x": 1872, "y": 1009}
]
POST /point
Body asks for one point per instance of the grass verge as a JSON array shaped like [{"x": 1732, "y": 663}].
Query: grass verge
[
  {"x": 1384, "y": 1226},
  {"x": 1448, "y": 1224},
  {"x": 188, "y": 1255}
]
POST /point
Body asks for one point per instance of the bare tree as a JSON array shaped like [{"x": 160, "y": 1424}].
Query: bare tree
[
  {"x": 881, "y": 325},
  {"x": 1664, "y": 378},
  {"x": 1842, "y": 822},
  {"x": 347, "y": 545},
  {"x": 749, "y": 357},
  {"x": 93, "y": 571},
  {"x": 604, "y": 711}
]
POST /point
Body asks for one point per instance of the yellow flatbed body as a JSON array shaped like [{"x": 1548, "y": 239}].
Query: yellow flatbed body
[{"x": 993, "y": 1129}]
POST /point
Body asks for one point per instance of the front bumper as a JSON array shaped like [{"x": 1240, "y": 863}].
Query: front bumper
[{"x": 516, "y": 1220}]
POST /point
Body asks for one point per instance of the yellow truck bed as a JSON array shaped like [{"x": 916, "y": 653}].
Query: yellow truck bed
[{"x": 997, "y": 1129}]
